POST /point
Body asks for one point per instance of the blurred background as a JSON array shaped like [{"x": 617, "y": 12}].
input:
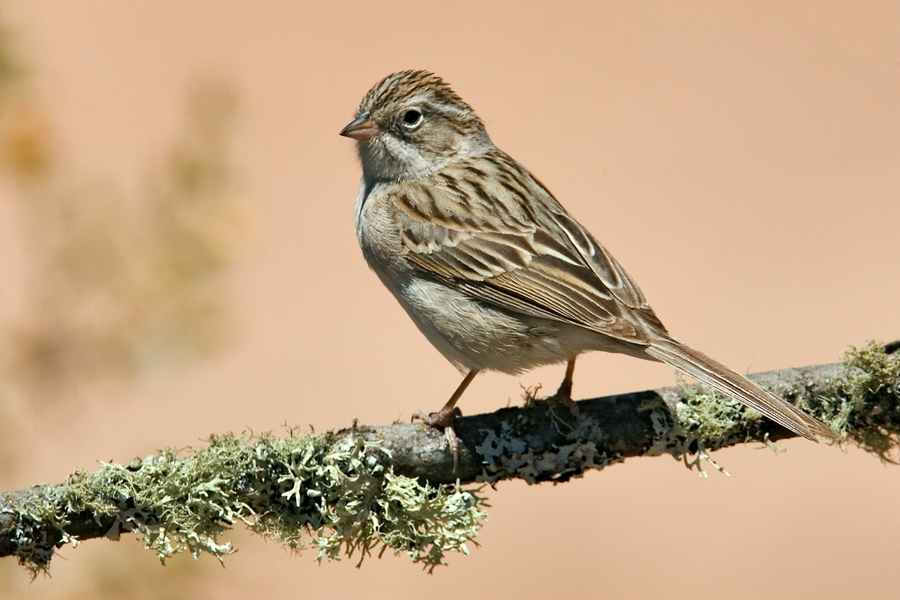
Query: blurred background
[{"x": 177, "y": 258}]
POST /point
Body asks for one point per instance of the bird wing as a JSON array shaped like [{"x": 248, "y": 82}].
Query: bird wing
[
  {"x": 493, "y": 229},
  {"x": 471, "y": 223}
]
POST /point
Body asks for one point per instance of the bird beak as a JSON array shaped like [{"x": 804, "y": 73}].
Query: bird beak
[{"x": 361, "y": 128}]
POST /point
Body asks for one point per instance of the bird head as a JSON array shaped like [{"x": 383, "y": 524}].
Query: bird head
[{"x": 410, "y": 124}]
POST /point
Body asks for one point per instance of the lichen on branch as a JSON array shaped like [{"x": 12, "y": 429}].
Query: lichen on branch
[
  {"x": 365, "y": 489},
  {"x": 338, "y": 495}
]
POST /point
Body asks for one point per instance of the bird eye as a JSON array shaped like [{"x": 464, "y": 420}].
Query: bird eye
[{"x": 412, "y": 117}]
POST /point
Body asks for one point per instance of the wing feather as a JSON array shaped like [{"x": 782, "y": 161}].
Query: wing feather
[{"x": 473, "y": 223}]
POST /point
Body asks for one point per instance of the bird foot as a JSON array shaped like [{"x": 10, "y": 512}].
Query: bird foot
[
  {"x": 564, "y": 396},
  {"x": 443, "y": 419}
]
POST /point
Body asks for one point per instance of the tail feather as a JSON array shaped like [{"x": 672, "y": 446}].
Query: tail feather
[{"x": 724, "y": 380}]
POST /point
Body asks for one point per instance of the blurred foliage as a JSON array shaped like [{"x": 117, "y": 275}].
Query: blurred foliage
[{"x": 113, "y": 287}]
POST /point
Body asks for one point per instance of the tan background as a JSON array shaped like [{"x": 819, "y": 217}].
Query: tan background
[{"x": 741, "y": 159}]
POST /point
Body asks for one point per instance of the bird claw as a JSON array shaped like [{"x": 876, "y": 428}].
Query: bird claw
[
  {"x": 568, "y": 403},
  {"x": 564, "y": 396},
  {"x": 443, "y": 419}
]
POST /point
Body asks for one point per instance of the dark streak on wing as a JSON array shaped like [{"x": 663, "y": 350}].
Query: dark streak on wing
[{"x": 498, "y": 249}]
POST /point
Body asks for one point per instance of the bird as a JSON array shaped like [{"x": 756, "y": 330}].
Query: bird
[{"x": 490, "y": 266}]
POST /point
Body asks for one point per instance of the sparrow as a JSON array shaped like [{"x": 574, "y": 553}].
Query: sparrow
[{"x": 490, "y": 266}]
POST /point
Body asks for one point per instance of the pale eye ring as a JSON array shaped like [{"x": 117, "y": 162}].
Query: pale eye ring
[{"x": 412, "y": 118}]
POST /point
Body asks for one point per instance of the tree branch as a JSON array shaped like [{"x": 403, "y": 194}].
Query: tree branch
[{"x": 394, "y": 486}]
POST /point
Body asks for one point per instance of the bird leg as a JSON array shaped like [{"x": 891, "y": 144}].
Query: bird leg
[
  {"x": 444, "y": 417},
  {"x": 564, "y": 394}
]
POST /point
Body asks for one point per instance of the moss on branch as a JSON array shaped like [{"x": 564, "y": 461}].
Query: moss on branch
[
  {"x": 339, "y": 495},
  {"x": 367, "y": 489}
]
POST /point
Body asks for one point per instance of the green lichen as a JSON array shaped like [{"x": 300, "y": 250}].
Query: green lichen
[
  {"x": 296, "y": 490},
  {"x": 861, "y": 404},
  {"x": 337, "y": 496},
  {"x": 703, "y": 421},
  {"x": 864, "y": 404},
  {"x": 712, "y": 419}
]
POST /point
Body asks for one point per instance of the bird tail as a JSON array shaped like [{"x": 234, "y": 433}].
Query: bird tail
[{"x": 724, "y": 380}]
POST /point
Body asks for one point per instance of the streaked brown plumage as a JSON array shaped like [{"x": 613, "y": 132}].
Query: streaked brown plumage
[{"x": 489, "y": 265}]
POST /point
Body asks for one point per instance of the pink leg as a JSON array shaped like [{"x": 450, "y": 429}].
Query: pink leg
[
  {"x": 564, "y": 394},
  {"x": 444, "y": 417}
]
